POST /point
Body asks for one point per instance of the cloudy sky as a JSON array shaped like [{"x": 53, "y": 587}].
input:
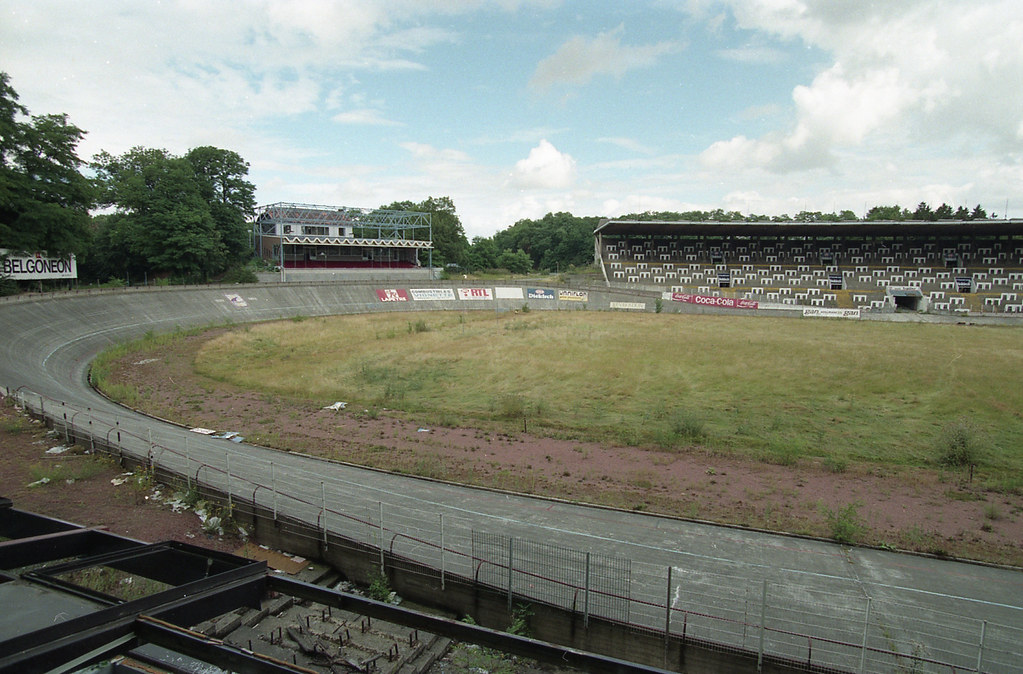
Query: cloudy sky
[{"x": 516, "y": 108}]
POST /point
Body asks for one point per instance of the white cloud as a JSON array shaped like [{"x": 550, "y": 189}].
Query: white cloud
[
  {"x": 580, "y": 59},
  {"x": 545, "y": 168},
  {"x": 903, "y": 72},
  {"x": 364, "y": 116},
  {"x": 629, "y": 144}
]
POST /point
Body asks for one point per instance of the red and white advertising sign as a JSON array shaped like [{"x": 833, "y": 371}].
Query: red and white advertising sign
[
  {"x": 711, "y": 301},
  {"x": 475, "y": 294},
  {"x": 392, "y": 295}
]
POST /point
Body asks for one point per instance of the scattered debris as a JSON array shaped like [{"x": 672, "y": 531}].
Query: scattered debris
[
  {"x": 121, "y": 479},
  {"x": 203, "y": 431},
  {"x": 59, "y": 449},
  {"x": 336, "y": 406},
  {"x": 41, "y": 481},
  {"x": 229, "y": 435},
  {"x": 423, "y": 430},
  {"x": 146, "y": 361}
]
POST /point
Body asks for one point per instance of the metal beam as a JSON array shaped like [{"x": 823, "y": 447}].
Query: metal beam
[
  {"x": 190, "y": 603},
  {"x": 453, "y": 629}
]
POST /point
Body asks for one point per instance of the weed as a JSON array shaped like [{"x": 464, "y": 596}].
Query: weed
[
  {"x": 658, "y": 305},
  {"x": 991, "y": 512},
  {"x": 959, "y": 444},
  {"x": 520, "y": 616},
  {"x": 834, "y": 464},
  {"x": 845, "y": 524},
  {"x": 418, "y": 326},
  {"x": 380, "y": 588}
]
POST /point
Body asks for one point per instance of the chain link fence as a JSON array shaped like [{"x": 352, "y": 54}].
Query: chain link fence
[{"x": 845, "y": 630}]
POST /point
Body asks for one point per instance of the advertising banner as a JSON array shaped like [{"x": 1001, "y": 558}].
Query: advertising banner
[
  {"x": 711, "y": 301},
  {"x": 632, "y": 306},
  {"x": 508, "y": 293},
  {"x": 820, "y": 312},
  {"x": 432, "y": 294},
  {"x": 540, "y": 294},
  {"x": 475, "y": 294},
  {"x": 38, "y": 267},
  {"x": 573, "y": 295},
  {"x": 392, "y": 295}
]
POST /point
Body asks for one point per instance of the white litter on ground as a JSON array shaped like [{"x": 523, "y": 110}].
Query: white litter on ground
[
  {"x": 336, "y": 406},
  {"x": 59, "y": 449}
]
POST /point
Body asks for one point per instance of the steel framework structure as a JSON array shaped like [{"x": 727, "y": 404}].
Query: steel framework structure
[{"x": 366, "y": 228}]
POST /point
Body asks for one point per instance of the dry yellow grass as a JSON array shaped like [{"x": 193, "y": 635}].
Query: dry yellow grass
[{"x": 774, "y": 388}]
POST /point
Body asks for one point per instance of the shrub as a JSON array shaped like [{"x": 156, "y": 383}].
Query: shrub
[
  {"x": 845, "y": 524},
  {"x": 379, "y": 589},
  {"x": 959, "y": 445},
  {"x": 239, "y": 275},
  {"x": 658, "y": 305}
]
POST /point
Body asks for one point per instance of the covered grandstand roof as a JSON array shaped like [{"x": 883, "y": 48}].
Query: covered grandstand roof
[{"x": 872, "y": 228}]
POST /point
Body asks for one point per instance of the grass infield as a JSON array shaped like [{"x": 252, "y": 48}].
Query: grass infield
[{"x": 776, "y": 390}]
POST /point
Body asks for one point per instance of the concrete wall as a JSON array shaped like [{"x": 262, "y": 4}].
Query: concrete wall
[{"x": 460, "y": 596}]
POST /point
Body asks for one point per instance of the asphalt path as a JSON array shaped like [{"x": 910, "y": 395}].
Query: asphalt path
[{"x": 936, "y": 609}]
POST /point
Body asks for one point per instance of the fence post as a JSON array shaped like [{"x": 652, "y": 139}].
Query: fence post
[
  {"x": 745, "y": 617},
  {"x": 381, "y": 535},
  {"x": 323, "y": 499},
  {"x": 511, "y": 542},
  {"x": 667, "y": 619},
  {"x": 866, "y": 628},
  {"x": 586, "y": 594},
  {"x": 980, "y": 650},
  {"x": 763, "y": 627},
  {"x": 42, "y": 409},
  {"x": 150, "y": 457},
  {"x": 188, "y": 466},
  {"x": 441, "y": 516},
  {"x": 273, "y": 488},
  {"x": 92, "y": 437},
  {"x": 230, "y": 504}
]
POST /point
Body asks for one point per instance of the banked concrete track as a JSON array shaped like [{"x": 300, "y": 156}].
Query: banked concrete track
[{"x": 948, "y": 613}]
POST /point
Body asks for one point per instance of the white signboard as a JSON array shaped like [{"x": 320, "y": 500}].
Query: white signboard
[
  {"x": 818, "y": 312},
  {"x": 475, "y": 294},
  {"x": 573, "y": 295},
  {"x": 631, "y": 306},
  {"x": 38, "y": 267},
  {"x": 508, "y": 293},
  {"x": 431, "y": 294}
]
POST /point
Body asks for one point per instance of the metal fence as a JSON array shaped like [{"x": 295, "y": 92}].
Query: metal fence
[{"x": 845, "y": 630}]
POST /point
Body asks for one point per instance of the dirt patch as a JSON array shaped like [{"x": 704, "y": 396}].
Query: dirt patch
[
  {"x": 903, "y": 507},
  {"x": 40, "y": 474}
]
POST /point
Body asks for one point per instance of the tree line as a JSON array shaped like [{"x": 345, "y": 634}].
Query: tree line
[
  {"x": 161, "y": 216},
  {"x": 185, "y": 218}
]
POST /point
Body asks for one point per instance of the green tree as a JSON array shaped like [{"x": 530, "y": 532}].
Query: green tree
[
  {"x": 923, "y": 212},
  {"x": 482, "y": 254},
  {"x": 449, "y": 242},
  {"x": 168, "y": 222},
  {"x": 44, "y": 198},
  {"x": 888, "y": 213},
  {"x": 232, "y": 198},
  {"x": 518, "y": 262}
]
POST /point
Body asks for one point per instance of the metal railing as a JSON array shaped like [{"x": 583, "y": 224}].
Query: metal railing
[{"x": 844, "y": 630}]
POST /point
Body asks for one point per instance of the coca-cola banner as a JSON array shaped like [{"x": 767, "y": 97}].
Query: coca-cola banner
[{"x": 712, "y": 301}]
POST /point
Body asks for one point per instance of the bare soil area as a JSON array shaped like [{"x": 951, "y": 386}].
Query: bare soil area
[
  {"x": 78, "y": 487},
  {"x": 921, "y": 509}
]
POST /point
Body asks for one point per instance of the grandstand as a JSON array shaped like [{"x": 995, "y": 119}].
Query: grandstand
[
  {"x": 303, "y": 237},
  {"x": 943, "y": 267}
]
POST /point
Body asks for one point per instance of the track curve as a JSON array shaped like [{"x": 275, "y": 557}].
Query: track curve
[{"x": 46, "y": 345}]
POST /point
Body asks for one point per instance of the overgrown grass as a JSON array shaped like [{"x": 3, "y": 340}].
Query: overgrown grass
[{"x": 777, "y": 390}]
